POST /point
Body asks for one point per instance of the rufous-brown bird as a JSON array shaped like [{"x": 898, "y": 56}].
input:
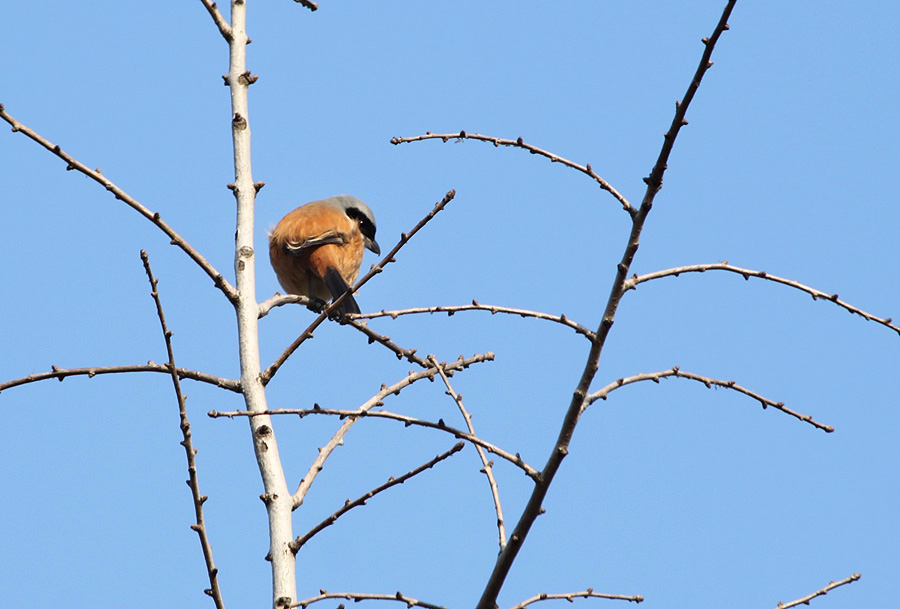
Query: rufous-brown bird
[{"x": 317, "y": 249}]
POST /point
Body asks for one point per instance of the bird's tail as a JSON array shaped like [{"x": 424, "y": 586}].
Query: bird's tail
[{"x": 337, "y": 286}]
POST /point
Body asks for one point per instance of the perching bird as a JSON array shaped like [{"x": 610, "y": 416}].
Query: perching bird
[{"x": 317, "y": 249}]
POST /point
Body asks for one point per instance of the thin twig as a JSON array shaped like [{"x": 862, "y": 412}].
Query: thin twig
[
  {"x": 357, "y": 597},
  {"x": 831, "y": 586},
  {"x": 269, "y": 372},
  {"x": 185, "y": 373},
  {"x": 570, "y": 596},
  {"x": 534, "y": 506},
  {"x": 381, "y": 339},
  {"x": 487, "y": 466},
  {"x": 278, "y": 299},
  {"x": 477, "y": 306},
  {"x": 176, "y": 239},
  {"x": 655, "y": 179},
  {"x": 709, "y": 382},
  {"x": 338, "y": 438},
  {"x": 349, "y": 505},
  {"x": 519, "y": 143},
  {"x": 219, "y": 20},
  {"x": 187, "y": 442},
  {"x": 634, "y": 281},
  {"x": 352, "y": 416}
]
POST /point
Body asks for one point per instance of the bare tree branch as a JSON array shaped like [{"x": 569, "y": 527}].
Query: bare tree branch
[
  {"x": 353, "y": 415},
  {"x": 357, "y": 597},
  {"x": 570, "y": 596},
  {"x": 709, "y": 382},
  {"x": 634, "y": 281},
  {"x": 269, "y": 372},
  {"x": 519, "y": 143},
  {"x": 278, "y": 299},
  {"x": 831, "y": 586},
  {"x": 381, "y": 339},
  {"x": 655, "y": 179},
  {"x": 476, "y": 306},
  {"x": 654, "y": 182},
  {"x": 187, "y": 442},
  {"x": 349, "y": 505},
  {"x": 218, "y": 19},
  {"x": 487, "y": 466},
  {"x": 338, "y": 438},
  {"x": 154, "y": 217},
  {"x": 62, "y": 373}
]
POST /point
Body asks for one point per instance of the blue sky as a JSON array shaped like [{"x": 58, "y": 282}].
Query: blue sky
[{"x": 686, "y": 495}]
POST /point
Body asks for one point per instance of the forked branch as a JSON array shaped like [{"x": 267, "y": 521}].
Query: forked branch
[
  {"x": 338, "y": 438},
  {"x": 487, "y": 466},
  {"x": 349, "y": 505}
]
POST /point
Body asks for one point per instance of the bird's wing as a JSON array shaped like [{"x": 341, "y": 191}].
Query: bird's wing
[{"x": 297, "y": 248}]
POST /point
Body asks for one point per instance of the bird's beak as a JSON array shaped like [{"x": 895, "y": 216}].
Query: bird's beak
[{"x": 372, "y": 246}]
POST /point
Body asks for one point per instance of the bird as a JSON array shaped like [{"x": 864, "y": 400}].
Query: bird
[{"x": 317, "y": 249}]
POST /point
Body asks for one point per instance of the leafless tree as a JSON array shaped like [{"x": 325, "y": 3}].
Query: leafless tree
[{"x": 281, "y": 498}]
